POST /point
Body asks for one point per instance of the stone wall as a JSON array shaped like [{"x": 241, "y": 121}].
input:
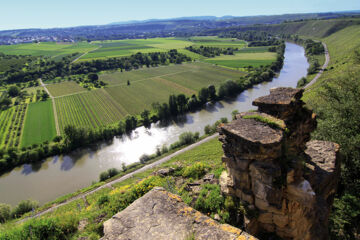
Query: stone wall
[{"x": 272, "y": 166}]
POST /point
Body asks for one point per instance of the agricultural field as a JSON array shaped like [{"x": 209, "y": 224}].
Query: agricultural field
[
  {"x": 214, "y": 41},
  {"x": 90, "y": 109},
  {"x": 47, "y": 49},
  {"x": 11, "y": 125},
  {"x": 100, "y": 107},
  {"x": 39, "y": 124},
  {"x": 240, "y": 60},
  {"x": 64, "y": 88},
  {"x": 120, "y": 48}
]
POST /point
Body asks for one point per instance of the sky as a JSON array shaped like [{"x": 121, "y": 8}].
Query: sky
[{"x": 17, "y": 14}]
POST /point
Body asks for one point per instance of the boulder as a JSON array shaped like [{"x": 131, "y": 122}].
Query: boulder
[{"x": 164, "y": 216}]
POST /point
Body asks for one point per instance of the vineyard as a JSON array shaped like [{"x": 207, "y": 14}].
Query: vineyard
[
  {"x": 91, "y": 109},
  {"x": 11, "y": 124}
]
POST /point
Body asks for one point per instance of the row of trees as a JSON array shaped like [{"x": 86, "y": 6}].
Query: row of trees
[{"x": 212, "y": 51}]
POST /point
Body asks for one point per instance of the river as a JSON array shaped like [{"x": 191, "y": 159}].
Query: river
[{"x": 60, "y": 175}]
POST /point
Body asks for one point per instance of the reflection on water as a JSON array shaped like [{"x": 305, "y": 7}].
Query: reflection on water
[{"x": 60, "y": 175}]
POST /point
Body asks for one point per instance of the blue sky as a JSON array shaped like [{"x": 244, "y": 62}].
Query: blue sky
[{"x": 64, "y": 13}]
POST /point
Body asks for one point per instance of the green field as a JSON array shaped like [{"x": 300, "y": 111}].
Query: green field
[
  {"x": 64, "y": 88},
  {"x": 120, "y": 48},
  {"x": 100, "y": 107},
  {"x": 90, "y": 109},
  {"x": 39, "y": 124},
  {"x": 48, "y": 49},
  {"x": 240, "y": 60}
]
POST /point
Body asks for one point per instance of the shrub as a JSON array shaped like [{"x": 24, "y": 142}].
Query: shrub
[
  {"x": 195, "y": 171},
  {"x": 24, "y": 207},
  {"x": 104, "y": 176},
  {"x": 5, "y": 213},
  {"x": 210, "y": 199},
  {"x": 102, "y": 200},
  {"x": 144, "y": 158}
]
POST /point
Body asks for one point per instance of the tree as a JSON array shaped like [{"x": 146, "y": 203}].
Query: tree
[
  {"x": 173, "y": 107},
  {"x": 93, "y": 77},
  {"x": 13, "y": 91},
  {"x": 203, "y": 95},
  {"x": 212, "y": 93},
  {"x": 145, "y": 118},
  {"x": 181, "y": 102},
  {"x": 44, "y": 96}
]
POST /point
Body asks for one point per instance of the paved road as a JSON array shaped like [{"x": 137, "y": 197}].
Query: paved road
[
  {"x": 129, "y": 175},
  {"x": 327, "y": 60}
]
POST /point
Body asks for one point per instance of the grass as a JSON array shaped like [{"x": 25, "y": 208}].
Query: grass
[
  {"x": 39, "y": 124},
  {"x": 96, "y": 211},
  {"x": 244, "y": 59},
  {"x": 48, "y": 49},
  {"x": 341, "y": 46},
  {"x": 64, "y": 88}
]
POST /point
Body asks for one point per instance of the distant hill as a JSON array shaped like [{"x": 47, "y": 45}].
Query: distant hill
[{"x": 181, "y": 27}]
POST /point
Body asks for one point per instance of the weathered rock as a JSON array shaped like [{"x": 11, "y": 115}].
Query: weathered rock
[
  {"x": 323, "y": 169},
  {"x": 251, "y": 139},
  {"x": 165, "y": 172},
  {"x": 162, "y": 215},
  {"x": 265, "y": 167},
  {"x": 281, "y": 103}
]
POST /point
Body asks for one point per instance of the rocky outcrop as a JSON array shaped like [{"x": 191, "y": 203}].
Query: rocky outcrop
[
  {"x": 163, "y": 215},
  {"x": 272, "y": 166}
]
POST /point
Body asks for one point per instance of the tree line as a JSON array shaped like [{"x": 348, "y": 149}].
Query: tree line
[
  {"x": 50, "y": 69},
  {"x": 212, "y": 51}
]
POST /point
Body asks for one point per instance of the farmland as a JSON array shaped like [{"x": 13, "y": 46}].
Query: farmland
[
  {"x": 244, "y": 59},
  {"x": 64, "y": 88},
  {"x": 100, "y": 107},
  {"x": 91, "y": 109},
  {"x": 47, "y": 49},
  {"x": 39, "y": 124},
  {"x": 120, "y": 48},
  {"x": 11, "y": 124}
]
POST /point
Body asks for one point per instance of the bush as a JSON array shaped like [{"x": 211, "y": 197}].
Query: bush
[
  {"x": 144, "y": 158},
  {"x": 24, "y": 207},
  {"x": 43, "y": 228},
  {"x": 195, "y": 171},
  {"x": 104, "y": 176},
  {"x": 210, "y": 199},
  {"x": 108, "y": 174},
  {"x": 102, "y": 200},
  {"x": 5, "y": 212}
]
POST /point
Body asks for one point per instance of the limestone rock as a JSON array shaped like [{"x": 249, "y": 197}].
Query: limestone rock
[
  {"x": 281, "y": 102},
  {"x": 265, "y": 166},
  {"x": 162, "y": 215}
]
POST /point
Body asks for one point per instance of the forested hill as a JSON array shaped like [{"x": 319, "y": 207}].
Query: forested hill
[{"x": 155, "y": 28}]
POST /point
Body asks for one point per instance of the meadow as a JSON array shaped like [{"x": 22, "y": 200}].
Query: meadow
[{"x": 39, "y": 124}]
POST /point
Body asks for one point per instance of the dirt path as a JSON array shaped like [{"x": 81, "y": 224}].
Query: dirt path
[
  {"x": 327, "y": 60},
  {"x": 54, "y": 107},
  {"x": 84, "y": 54},
  {"x": 127, "y": 176}
]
